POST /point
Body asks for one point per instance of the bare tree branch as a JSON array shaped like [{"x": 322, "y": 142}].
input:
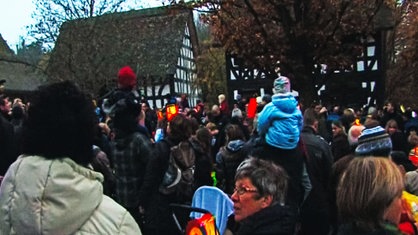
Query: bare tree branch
[{"x": 50, "y": 15}]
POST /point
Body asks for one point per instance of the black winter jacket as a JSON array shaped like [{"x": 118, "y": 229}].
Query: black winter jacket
[
  {"x": 319, "y": 164},
  {"x": 292, "y": 161},
  {"x": 227, "y": 161},
  {"x": 273, "y": 220}
]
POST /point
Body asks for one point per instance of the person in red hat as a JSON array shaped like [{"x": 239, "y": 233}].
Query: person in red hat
[
  {"x": 126, "y": 78},
  {"x": 126, "y": 86}
]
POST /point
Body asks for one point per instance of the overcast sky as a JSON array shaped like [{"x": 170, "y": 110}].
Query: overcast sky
[{"x": 16, "y": 14}]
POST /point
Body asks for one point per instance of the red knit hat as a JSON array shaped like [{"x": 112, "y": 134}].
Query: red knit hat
[{"x": 126, "y": 77}]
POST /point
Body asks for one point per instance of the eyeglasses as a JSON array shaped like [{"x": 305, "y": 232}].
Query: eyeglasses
[{"x": 242, "y": 190}]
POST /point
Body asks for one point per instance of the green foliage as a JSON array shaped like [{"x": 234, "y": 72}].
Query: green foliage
[
  {"x": 211, "y": 72},
  {"x": 31, "y": 53},
  {"x": 210, "y": 64},
  {"x": 203, "y": 30}
]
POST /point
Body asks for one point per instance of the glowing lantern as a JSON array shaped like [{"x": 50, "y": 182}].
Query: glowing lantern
[
  {"x": 204, "y": 225},
  {"x": 160, "y": 115},
  {"x": 172, "y": 111}
]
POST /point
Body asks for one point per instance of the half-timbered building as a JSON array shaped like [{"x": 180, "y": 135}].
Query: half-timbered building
[
  {"x": 159, "y": 44},
  {"x": 363, "y": 84}
]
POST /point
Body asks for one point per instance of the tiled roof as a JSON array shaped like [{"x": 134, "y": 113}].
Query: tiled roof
[
  {"x": 19, "y": 75},
  {"x": 148, "y": 40},
  {"x": 4, "y": 48}
]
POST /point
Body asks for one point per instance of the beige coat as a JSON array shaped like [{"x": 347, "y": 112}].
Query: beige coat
[{"x": 41, "y": 196}]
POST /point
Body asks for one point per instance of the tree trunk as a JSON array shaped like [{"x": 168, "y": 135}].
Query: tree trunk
[
  {"x": 302, "y": 81},
  {"x": 306, "y": 88}
]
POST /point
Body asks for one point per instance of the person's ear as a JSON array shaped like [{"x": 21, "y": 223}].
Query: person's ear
[
  {"x": 402, "y": 169},
  {"x": 266, "y": 201}
]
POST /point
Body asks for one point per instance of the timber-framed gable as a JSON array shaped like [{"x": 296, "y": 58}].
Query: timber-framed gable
[{"x": 160, "y": 44}]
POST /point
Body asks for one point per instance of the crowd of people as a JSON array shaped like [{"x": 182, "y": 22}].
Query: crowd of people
[{"x": 70, "y": 165}]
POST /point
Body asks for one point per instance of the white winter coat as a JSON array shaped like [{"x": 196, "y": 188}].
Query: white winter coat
[{"x": 42, "y": 196}]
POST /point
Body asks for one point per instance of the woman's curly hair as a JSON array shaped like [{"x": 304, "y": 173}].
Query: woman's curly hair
[{"x": 60, "y": 123}]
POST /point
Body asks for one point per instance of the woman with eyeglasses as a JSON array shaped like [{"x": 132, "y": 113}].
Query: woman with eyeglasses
[{"x": 259, "y": 196}]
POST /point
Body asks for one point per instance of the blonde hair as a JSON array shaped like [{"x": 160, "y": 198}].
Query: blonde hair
[
  {"x": 366, "y": 189},
  {"x": 221, "y": 98},
  {"x": 211, "y": 126}
]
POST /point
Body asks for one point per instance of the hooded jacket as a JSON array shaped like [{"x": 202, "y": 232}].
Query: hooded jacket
[
  {"x": 227, "y": 161},
  {"x": 58, "y": 196},
  {"x": 281, "y": 121}
]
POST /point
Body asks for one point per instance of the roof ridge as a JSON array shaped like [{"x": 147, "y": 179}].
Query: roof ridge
[{"x": 138, "y": 13}]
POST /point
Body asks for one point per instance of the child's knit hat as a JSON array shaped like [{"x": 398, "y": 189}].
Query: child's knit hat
[
  {"x": 127, "y": 77},
  {"x": 374, "y": 142},
  {"x": 281, "y": 85}
]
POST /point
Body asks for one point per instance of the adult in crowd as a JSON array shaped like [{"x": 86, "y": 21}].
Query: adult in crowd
[
  {"x": 390, "y": 112},
  {"x": 398, "y": 138},
  {"x": 201, "y": 144},
  {"x": 230, "y": 157},
  {"x": 315, "y": 210},
  {"x": 373, "y": 141},
  {"x": 184, "y": 102},
  {"x": 411, "y": 177},
  {"x": 160, "y": 131},
  {"x": 413, "y": 152},
  {"x": 369, "y": 197},
  {"x": 101, "y": 162},
  {"x": 263, "y": 101},
  {"x": 259, "y": 199},
  {"x": 151, "y": 119},
  {"x": 321, "y": 114},
  {"x": 8, "y": 147},
  {"x": 353, "y": 133},
  {"x": 50, "y": 189},
  {"x": 5, "y": 107},
  {"x": 241, "y": 102},
  {"x": 334, "y": 114},
  {"x": 199, "y": 112},
  {"x": 411, "y": 121},
  {"x": 407, "y": 224},
  {"x": 220, "y": 120},
  {"x": 130, "y": 152},
  {"x": 348, "y": 118},
  {"x": 339, "y": 145},
  {"x": 18, "y": 115},
  {"x": 223, "y": 105},
  {"x": 237, "y": 118},
  {"x": 154, "y": 204},
  {"x": 338, "y": 168}
]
